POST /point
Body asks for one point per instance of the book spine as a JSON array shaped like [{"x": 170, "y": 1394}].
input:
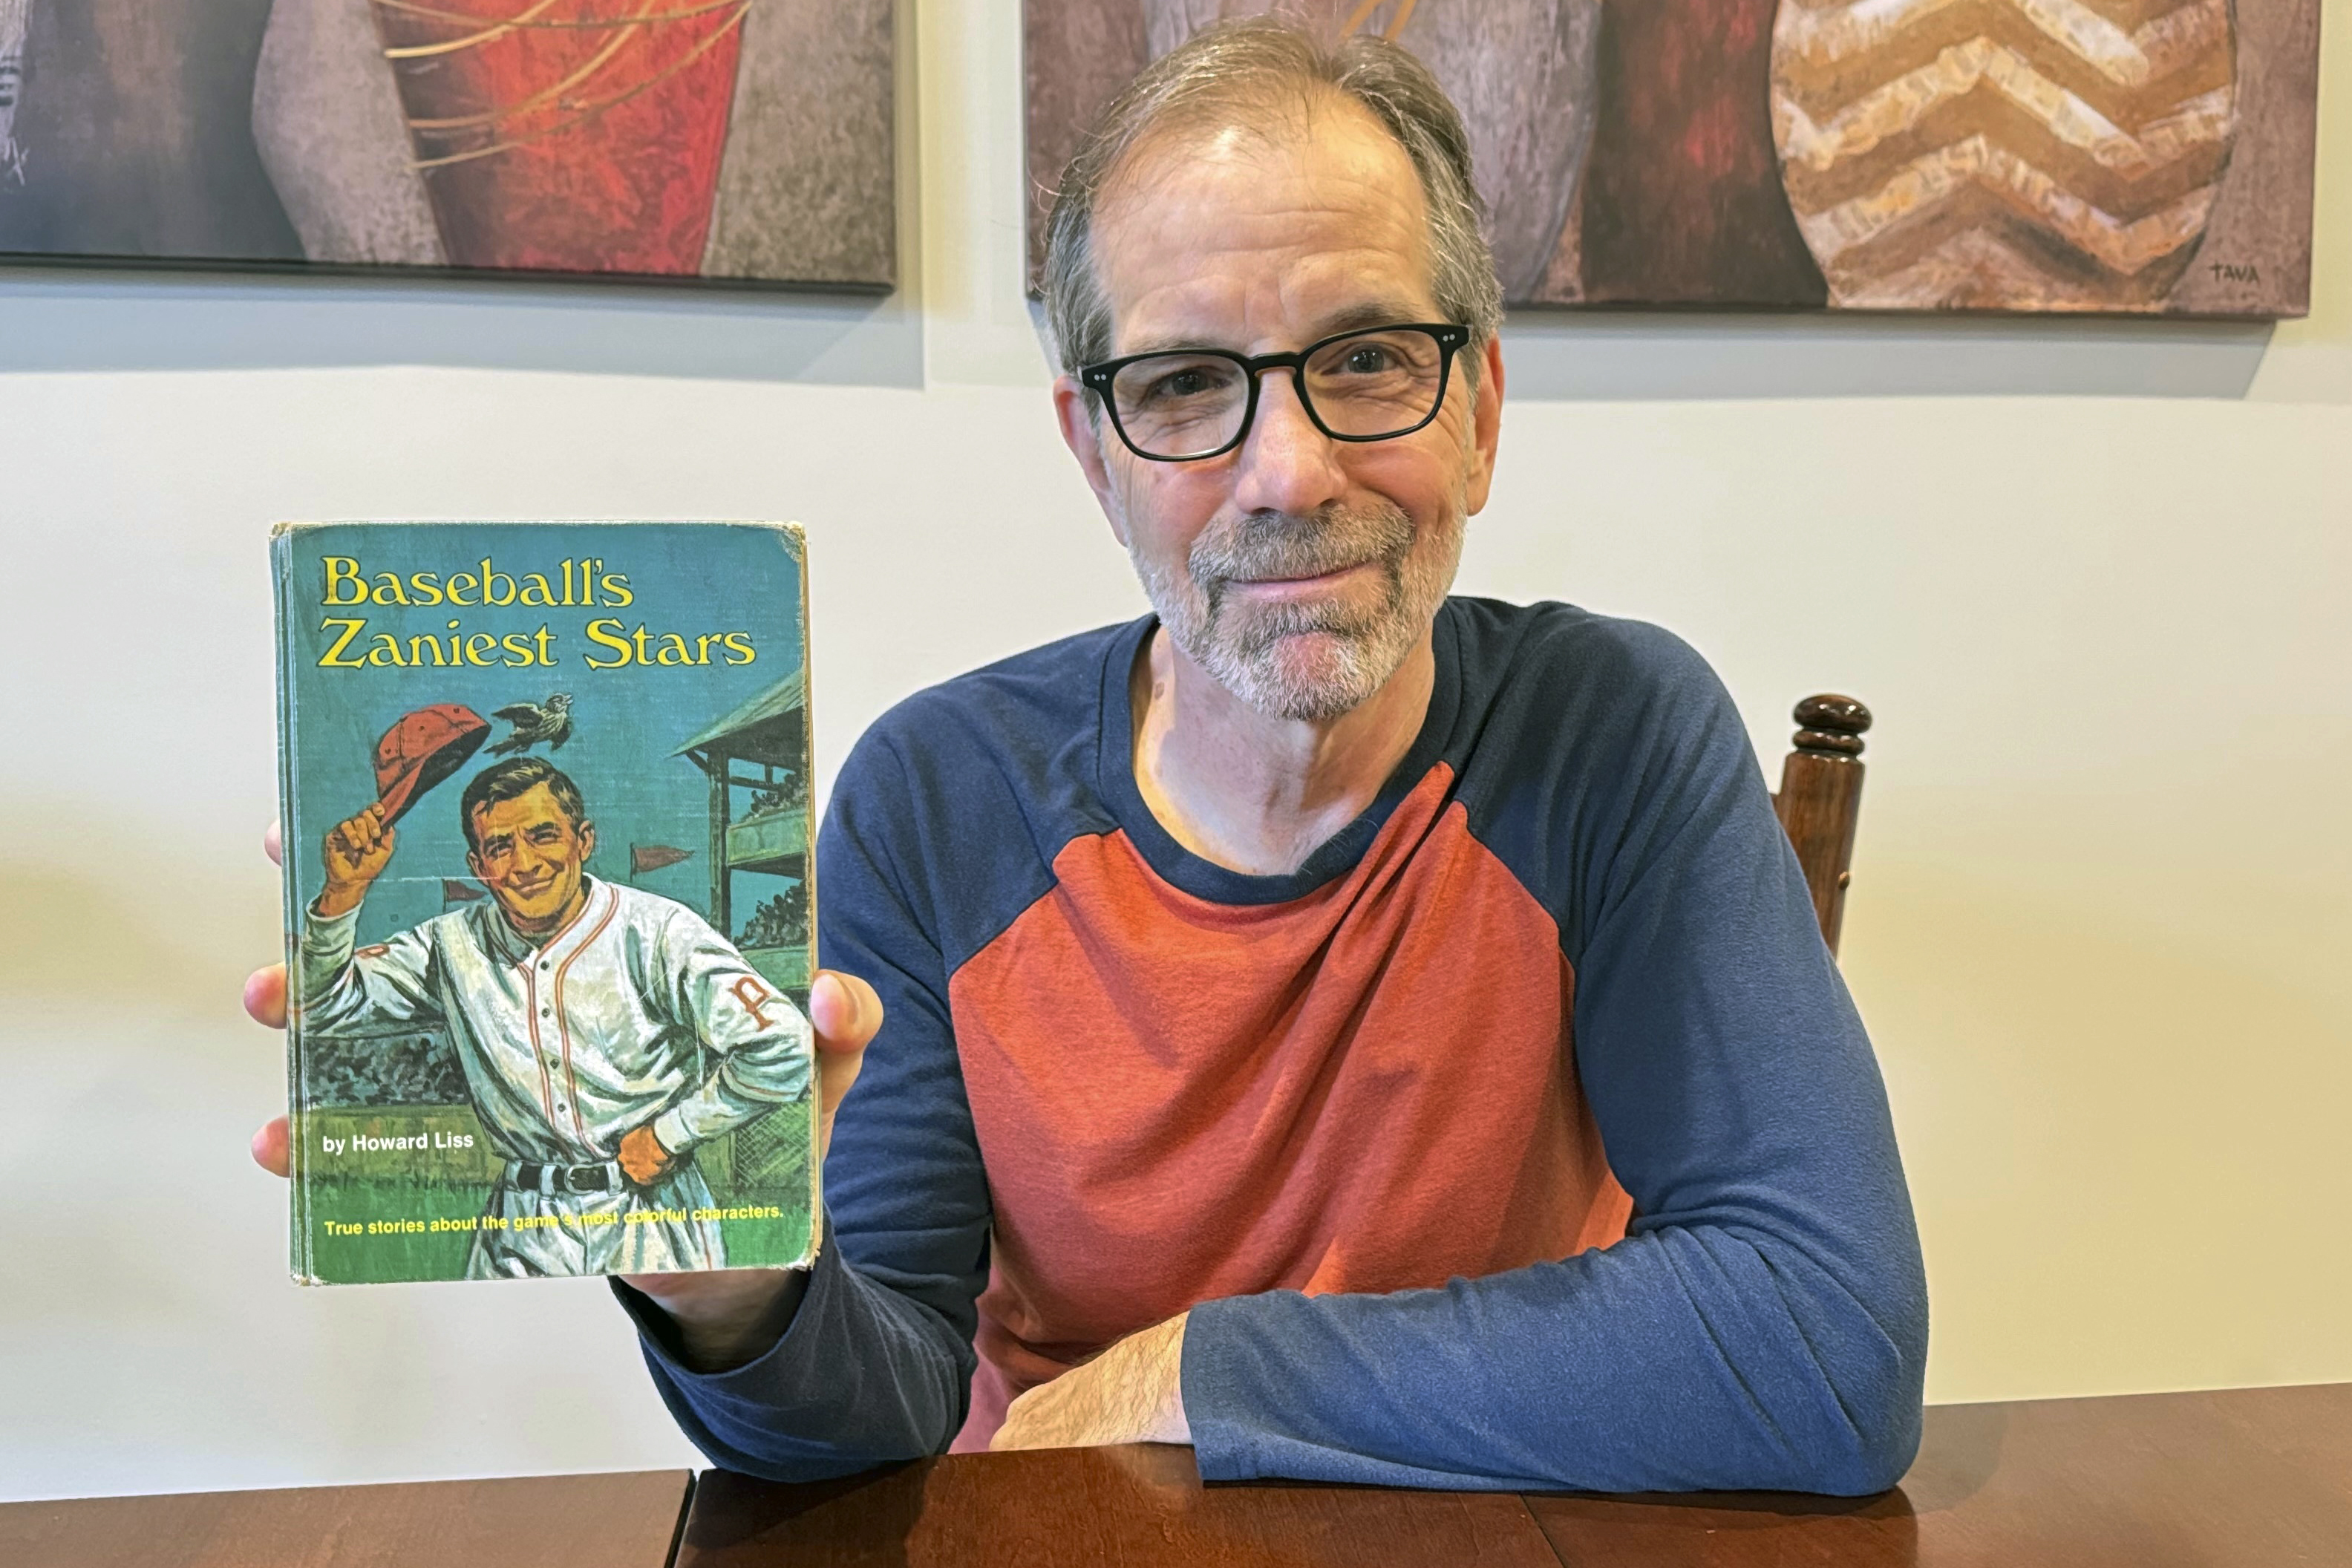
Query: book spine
[
  {"x": 799, "y": 542},
  {"x": 300, "y": 1262}
]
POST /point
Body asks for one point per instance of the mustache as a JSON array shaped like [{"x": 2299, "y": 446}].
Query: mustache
[{"x": 1261, "y": 545}]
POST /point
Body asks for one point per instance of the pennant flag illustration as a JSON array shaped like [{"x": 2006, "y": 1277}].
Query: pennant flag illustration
[
  {"x": 644, "y": 857},
  {"x": 458, "y": 892}
]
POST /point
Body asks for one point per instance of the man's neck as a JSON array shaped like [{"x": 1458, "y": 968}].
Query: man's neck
[{"x": 1256, "y": 795}]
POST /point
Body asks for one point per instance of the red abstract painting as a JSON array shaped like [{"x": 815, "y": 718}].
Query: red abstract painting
[
  {"x": 750, "y": 140},
  {"x": 567, "y": 135}
]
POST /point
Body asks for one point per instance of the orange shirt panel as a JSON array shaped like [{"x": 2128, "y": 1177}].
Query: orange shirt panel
[{"x": 1371, "y": 1087}]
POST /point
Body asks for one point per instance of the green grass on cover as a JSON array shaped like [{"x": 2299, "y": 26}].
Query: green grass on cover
[
  {"x": 373, "y": 1259},
  {"x": 765, "y": 1164}
]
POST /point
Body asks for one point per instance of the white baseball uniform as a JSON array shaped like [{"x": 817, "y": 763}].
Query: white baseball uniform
[{"x": 567, "y": 1045}]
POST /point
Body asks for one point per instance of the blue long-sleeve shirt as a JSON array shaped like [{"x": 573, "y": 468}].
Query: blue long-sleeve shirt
[{"x": 1525, "y": 1137}]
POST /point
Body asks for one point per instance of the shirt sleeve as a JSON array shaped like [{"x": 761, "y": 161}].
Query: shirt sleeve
[
  {"x": 875, "y": 1366},
  {"x": 764, "y": 1046},
  {"x": 336, "y": 988},
  {"x": 1763, "y": 1324}
]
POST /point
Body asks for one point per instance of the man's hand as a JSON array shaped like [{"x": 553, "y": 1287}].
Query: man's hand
[
  {"x": 357, "y": 852},
  {"x": 1132, "y": 1392},
  {"x": 643, "y": 1159},
  {"x": 725, "y": 1316},
  {"x": 732, "y": 1316}
]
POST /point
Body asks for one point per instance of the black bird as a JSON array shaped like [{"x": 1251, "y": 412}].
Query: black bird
[{"x": 533, "y": 723}]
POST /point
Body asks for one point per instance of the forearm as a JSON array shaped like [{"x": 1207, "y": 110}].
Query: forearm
[
  {"x": 857, "y": 1375},
  {"x": 762, "y": 1044},
  {"x": 325, "y": 949},
  {"x": 1704, "y": 1356},
  {"x": 332, "y": 987},
  {"x": 338, "y": 899},
  {"x": 717, "y": 1106}
]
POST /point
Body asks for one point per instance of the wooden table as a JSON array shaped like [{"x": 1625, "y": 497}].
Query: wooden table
[
  {"x": 1102, "y": 1508},
  {"x": 627, "y": 1520},
  {"x": 2247, "y": 1478},
  {"x": 2258, "y": 1478}
]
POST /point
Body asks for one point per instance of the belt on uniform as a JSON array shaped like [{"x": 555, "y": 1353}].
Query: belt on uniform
[{"x": 532, "y": 1176}]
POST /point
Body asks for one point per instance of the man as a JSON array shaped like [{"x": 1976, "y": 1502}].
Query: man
[
  {"x": 1367, "y": 1035},
  {"x": 581, "y": 1011}
]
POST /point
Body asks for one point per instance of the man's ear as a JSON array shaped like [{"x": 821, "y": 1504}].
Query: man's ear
[
  {"x": 1486, "y": 423},
  {"x": 1082, "y": 433},
  {"x": 474, "y": 864},
  {"x": 587, "y": 838}
]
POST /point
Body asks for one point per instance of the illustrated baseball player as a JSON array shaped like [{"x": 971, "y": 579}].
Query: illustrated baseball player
[{"x": 582, "y": 1013}]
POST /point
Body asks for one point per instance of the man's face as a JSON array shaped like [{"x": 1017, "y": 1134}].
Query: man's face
[
  {"x": 530, "y": 853},
  {"x": 1297, "y": 571}
]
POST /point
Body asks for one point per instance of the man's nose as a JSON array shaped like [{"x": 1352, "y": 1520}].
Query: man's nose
[{"x": 1285, "y": 463}]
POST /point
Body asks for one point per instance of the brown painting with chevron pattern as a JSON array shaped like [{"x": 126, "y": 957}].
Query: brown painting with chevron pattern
[
  {"x": 2049, "y": 154},
  {"x": 2114, "y": 157}
]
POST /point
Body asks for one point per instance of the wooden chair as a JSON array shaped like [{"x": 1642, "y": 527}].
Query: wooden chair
[{"x": 1820, "y": 800}]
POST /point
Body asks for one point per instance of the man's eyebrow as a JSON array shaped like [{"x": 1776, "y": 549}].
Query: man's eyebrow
[
  {"x": 1172, "y": 343},
  {"x": 1352, "y": 318},
  {"x": 1372, "y": 314}
]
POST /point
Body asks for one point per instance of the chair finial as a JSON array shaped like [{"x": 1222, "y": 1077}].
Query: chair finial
[{"x": 1831, "y": 725}]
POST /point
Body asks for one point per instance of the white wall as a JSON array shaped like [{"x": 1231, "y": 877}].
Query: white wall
[{"x": 2092, "y": 577}]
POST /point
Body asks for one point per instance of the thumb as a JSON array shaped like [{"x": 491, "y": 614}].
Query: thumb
[
  {"x": 270, "y": 1150},
  {"x": 844, "y": 1011},
  {"x": 845, "y": 1014}
]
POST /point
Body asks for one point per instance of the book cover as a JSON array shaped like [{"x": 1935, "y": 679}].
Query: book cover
[{"x": 548, "y": 898}]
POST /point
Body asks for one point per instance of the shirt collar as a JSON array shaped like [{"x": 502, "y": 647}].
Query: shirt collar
[{"x": 507, "y": 945}]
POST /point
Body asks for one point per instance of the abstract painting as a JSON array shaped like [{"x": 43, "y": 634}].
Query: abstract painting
[
  {"x": 735, "y": 139},
  {"x": 2105, "y": 156}
]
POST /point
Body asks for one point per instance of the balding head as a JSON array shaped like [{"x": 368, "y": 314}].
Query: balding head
[{"x": 1269, "y": 79}]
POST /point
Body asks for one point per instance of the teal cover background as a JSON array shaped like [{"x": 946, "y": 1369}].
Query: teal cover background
[{"x": 688, "y": 577}]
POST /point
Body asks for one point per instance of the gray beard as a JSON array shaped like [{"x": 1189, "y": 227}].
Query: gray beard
[{"x": 1302, "y": 661}]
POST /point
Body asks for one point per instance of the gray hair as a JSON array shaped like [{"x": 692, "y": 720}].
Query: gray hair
[{"x": 1234, "y": 65}]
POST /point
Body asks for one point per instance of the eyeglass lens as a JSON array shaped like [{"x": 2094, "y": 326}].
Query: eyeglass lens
[{"x": 1366, "y": 384}]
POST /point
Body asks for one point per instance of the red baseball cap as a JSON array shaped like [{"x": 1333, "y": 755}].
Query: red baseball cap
[{"x": 421, "y": 750}]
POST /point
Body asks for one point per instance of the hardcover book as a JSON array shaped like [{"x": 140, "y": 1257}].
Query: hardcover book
[{"x": 545, "y": 797}]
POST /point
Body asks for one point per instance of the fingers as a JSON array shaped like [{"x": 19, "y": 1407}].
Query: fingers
[
  {"x": 368, "y": 830},
  {"x": 361, "y": 835},
  {"x": 265, "y": 996},
  {"x": 836, "y": 1073},
  {"x": 270, "y": 1150},
  {"x": 846, "y": 1011},
  {"x": 641, "y": 1156},
  {"x": 265, "y": 999}
]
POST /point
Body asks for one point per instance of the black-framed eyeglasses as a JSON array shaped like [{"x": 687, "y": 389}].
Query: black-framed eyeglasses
[{"x": 1177, "y": 406}]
